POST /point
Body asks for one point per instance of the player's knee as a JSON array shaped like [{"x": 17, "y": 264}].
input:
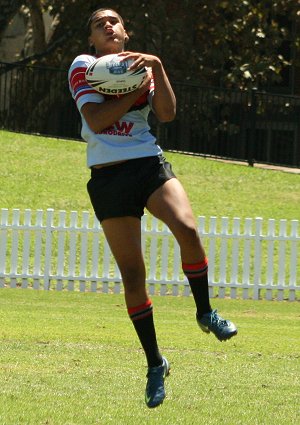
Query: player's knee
[
  {"x": 133, "y": 278},
  {"x": 190, "y": 233},
  {"x": 133, "y": 287}
]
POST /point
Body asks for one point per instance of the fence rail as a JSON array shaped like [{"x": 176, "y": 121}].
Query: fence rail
[
  {"x": 250, "y": 258},
  {"x": 211, "y": 121}
]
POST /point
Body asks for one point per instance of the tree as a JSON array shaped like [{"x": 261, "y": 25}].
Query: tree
[
  {"x": 8, "y": 10},
  {"x": 231, "y": 43},
  {"x": 38, "y": 28}
]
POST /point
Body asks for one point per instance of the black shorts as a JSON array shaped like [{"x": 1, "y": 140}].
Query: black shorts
[{"x": 123, "y": 189}]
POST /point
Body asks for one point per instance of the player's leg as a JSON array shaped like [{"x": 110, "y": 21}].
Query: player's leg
[
  {"x": 113, "y": 192},
  {"x": 124, "y": 237},
  {"x": 170, "y": 204}
]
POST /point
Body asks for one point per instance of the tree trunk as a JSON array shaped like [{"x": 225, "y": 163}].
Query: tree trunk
[
  {"x": 38, "y": 28},
  {"x": 8, "y": 10}
]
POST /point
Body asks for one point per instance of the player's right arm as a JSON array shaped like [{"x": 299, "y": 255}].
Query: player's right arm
[
  {"x": 99, "y": 113},
  {"x": 102, "y": 115}
]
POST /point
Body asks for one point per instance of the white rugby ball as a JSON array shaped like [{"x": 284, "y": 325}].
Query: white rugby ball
[{"x": 109, "y": 75}]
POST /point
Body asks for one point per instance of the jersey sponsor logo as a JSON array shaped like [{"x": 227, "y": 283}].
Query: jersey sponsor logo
[{"x": 120, "y": 128}]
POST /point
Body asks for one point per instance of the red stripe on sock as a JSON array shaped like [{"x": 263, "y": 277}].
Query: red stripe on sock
[
  {"x": 197, "y": 266},
  {"x": 133, "y": 310}
]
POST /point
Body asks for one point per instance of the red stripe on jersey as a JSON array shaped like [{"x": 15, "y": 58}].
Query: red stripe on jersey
[
  {"x": 77, "y": 78},
  {"x": 142, "y": 99},
  {"x": 76, "y": 70}
]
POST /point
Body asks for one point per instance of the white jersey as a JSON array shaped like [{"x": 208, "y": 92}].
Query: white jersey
[{"x": 127, "y": 138}]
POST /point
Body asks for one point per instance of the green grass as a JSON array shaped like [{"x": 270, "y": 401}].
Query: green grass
[
  {"x": 71, "y": 358},
  {"x": 41, "y": 173}
]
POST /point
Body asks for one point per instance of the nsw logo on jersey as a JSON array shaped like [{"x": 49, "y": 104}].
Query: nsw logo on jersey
[{"x": 120, "y": 128}]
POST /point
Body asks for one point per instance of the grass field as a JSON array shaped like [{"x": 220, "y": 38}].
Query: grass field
[
  {"x": 41, "y": 173},
  {"x": 74, "y": 359},
  {"x": 71, "y": 358}
]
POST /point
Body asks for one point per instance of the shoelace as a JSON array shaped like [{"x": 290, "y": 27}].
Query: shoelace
[
  {"x": 215, "y": 319},
  {"x": 155, "y": 371},
  {"x": 155, "y": 382}
]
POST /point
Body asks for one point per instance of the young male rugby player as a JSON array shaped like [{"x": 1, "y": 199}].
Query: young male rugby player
[{"x": 129, "y": 174}]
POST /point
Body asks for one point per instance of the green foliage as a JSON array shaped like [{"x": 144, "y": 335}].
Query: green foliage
[{"x": 233, "y": 43}]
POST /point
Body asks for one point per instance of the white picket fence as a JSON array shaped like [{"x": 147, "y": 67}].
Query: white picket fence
[{"x": 250, "y": 258}]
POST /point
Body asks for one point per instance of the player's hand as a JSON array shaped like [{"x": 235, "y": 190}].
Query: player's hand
[
  {"x": 140, "y": 60},
  {"x": 145, "y": 84}
]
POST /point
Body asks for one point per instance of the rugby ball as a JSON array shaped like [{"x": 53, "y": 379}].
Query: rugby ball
[{"x": 109, "y": 75}]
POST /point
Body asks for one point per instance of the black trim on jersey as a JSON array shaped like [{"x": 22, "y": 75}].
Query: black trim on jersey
[{"x": 138, "y": 107}]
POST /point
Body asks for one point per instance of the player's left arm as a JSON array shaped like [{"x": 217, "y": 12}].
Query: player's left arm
[{"x": 163, "y": 100}]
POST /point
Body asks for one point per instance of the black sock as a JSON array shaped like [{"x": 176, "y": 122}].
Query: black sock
[
  {"x": 198, "y": 280},
  {"x": 142, "y": 319}
]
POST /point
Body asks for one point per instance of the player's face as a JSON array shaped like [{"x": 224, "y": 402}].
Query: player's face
[{"x": 107, "y": 33}]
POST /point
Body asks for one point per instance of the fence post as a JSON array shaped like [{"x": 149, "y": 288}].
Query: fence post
[
  {"x": 3, "y": 244},
  {"x": 257, "y": 258},
  {"x": 48, "y": 248},
  {"x": 253, "y": 110}
]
